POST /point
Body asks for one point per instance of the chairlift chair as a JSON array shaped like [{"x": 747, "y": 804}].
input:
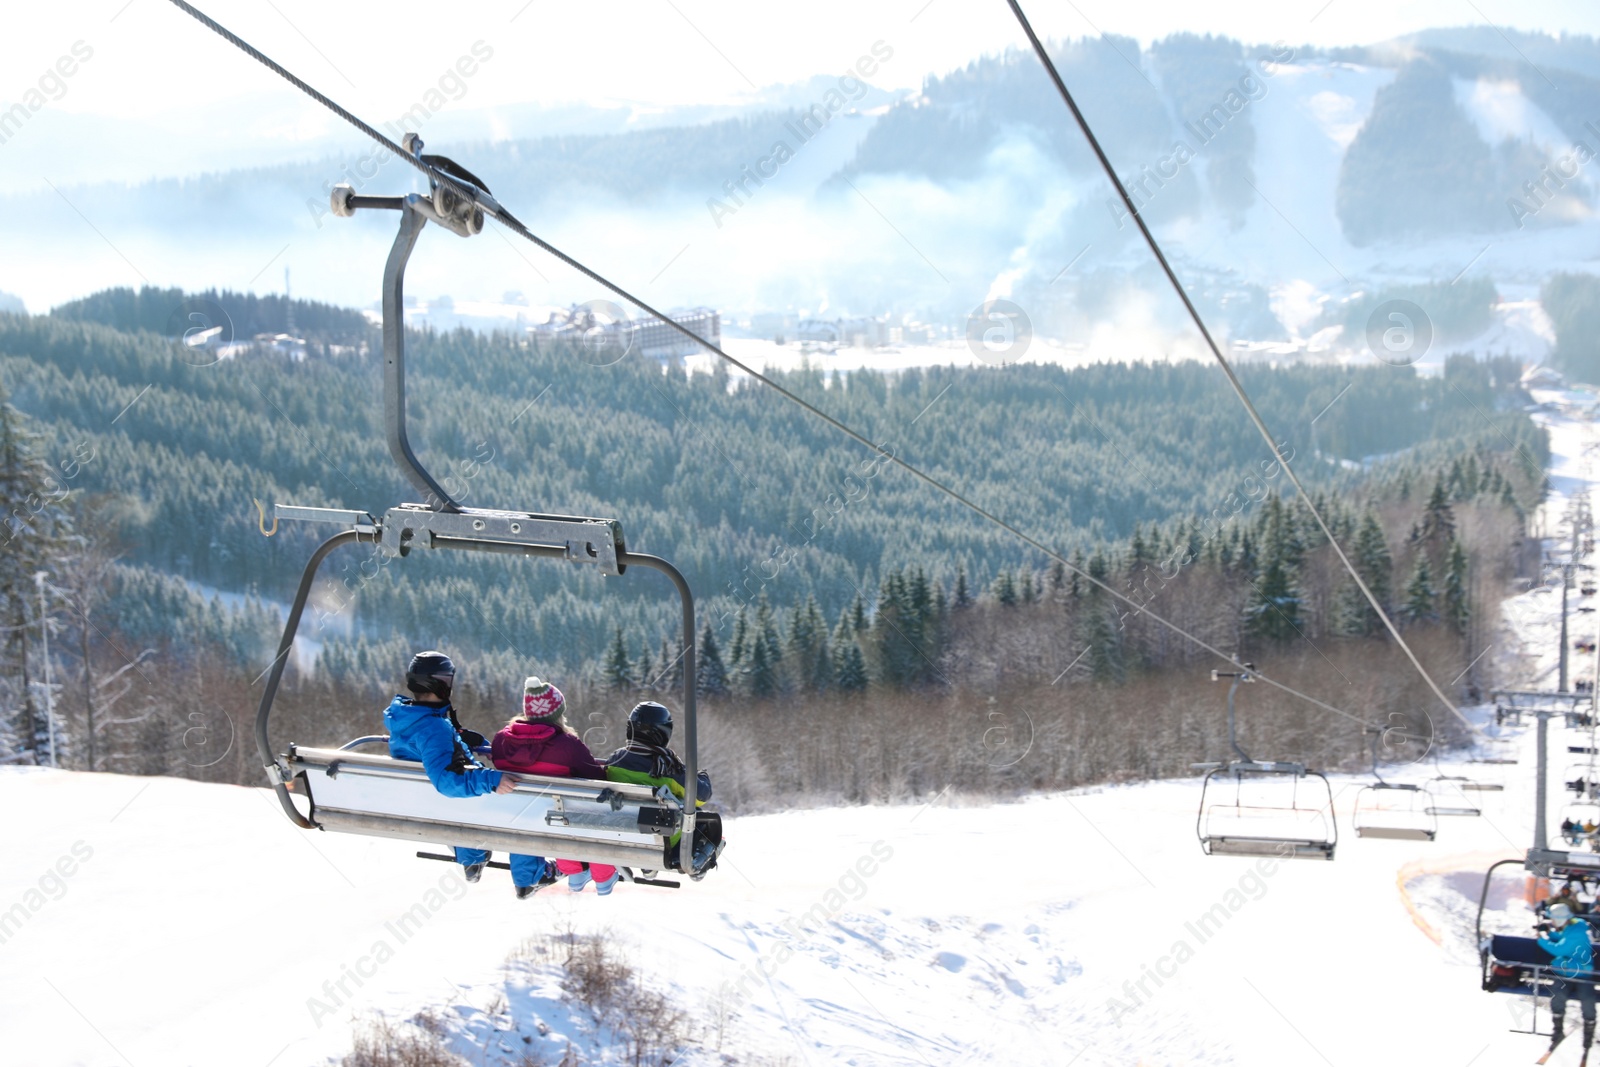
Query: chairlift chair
[
  {"x": 1583, "y": 781},
  {"x": 1449, "y": 798},
  {"x": 1576, "y": 817},
  {"x": 369, "y": 793},
  {"x": 1265, "y": 813},
  {"x": 1397, "y": 811},
  {"x": 1512, "y": 963},
  {"x": 1449, "y": 791}
]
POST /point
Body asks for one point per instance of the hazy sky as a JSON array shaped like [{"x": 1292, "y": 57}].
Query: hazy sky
[{"x": 185, "y": 101}]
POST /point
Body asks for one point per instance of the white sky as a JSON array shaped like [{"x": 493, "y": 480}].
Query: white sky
[{"x": 198, "y": 104}]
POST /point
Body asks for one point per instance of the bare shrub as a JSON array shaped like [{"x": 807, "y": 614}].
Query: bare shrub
[{"x": 383, "y": 1042}]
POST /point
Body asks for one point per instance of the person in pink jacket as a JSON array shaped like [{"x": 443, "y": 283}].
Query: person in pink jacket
[{"x": 540, "y": 742}]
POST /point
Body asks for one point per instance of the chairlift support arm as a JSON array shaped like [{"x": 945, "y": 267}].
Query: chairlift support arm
[{"x": 443, "y": 522}]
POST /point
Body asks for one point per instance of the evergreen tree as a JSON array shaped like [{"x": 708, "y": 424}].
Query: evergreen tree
[
  {"x": 764, "y": 653},
  {"x": 808, "y": 648},
  {"x": 36, "y": 531},
  {"x": 858, "y": 615},
  {"x": 1370, "y": 554},
  {"x": 646, "y": 671},
  {"x": 1457, "y": 609},
  {"x": 1420, "y": 593},
  {"x": 1005, "y": 589},
  {"x": 761, "y": 671},
  {"x": 711, "y": 675},
  {"x": 963, "y": 594},
  {"x": 849, "y": 665},
  {"x": 1438, "y": 518},
  {"x": 617, "y": 674},
  {"x": 741, "y": 635},
  {"x": 1138, "y": 551},
  {"x": 671, "y": 666},
  {"x": 1274, "y": 609}
]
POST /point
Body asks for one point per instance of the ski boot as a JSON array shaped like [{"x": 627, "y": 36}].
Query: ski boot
[
  {"x": 526, "y": 891},
  {"x": 472, "y": 871},
  {"x": 551, "y": 875},
  {"x": 1588, "y": 1034},
  {"x": 705, "y": 858}
]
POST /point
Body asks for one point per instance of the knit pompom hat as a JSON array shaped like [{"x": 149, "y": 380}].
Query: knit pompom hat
[{"x": 541, "y": 701}]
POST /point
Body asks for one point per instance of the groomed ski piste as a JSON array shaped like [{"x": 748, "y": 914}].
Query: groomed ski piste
[{"x": 161, "y": 921}]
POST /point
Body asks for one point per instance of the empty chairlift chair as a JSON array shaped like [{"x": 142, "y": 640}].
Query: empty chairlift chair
[
  {"x": 1398, "y": 811},
  {"x": 1252, "y": 807},
  {"x": 1449, "y": 793}
]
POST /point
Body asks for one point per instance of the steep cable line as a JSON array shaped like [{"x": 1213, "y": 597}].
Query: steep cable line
[
  {"x": 1227, "y": 368},
  {"x": 493, "y": 209}
]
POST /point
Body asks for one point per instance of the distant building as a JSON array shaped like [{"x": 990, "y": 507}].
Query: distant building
[
  {"x": 649, "y": 336},
  {"x": 657, "y": 340},
  {"x": 282, "y": 344},
  {"x": 860, "y": 332}
]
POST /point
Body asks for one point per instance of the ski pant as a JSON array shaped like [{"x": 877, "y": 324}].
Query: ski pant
[
  {"x": 1567, "y": 987},
  {"x": 527, "y": 870},
  {"x": 468, "y": 856},
  {"x": 600, "y": 872}
]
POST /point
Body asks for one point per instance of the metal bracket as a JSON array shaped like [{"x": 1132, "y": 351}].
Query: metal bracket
[
  {"x": 360, "y": 521},
  {"x": 582, "y": 540},
  {"x": 557, "y": 815}
]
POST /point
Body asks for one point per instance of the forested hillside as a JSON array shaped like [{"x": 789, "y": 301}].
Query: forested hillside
[{"x": 819, "y": 567}]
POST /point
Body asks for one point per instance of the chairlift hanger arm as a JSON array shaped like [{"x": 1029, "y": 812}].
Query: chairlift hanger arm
[{"x": 276, "y": 771}]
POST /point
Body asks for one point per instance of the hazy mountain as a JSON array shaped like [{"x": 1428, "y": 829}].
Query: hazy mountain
[{"x": 1284, "y": 182}]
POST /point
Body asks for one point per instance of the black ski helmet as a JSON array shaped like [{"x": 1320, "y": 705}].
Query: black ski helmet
[
  {"x": 431, "y": 672},
  {"x": 650, "y": 723}
]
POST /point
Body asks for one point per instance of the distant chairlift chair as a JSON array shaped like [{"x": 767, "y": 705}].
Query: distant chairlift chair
[
  {"x": 1251, "y": 807},
  {"x": 1398, "y": 811}
]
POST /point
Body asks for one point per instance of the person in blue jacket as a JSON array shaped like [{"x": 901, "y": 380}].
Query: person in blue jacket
[
  {"x": 1572, "y": 963},
  {"x": 423, "y": 727}
]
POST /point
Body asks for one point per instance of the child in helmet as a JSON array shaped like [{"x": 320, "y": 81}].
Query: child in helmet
[
  {"x": 646, "y": 760},
  {"x": 1572, "y": 965},
  {"x": 423, "y": 727},
  {"x": 540, "y": 742}
]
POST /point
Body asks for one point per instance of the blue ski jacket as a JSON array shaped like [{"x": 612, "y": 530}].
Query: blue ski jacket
[
  {"x": 423, "y": 732},
  {"x": 1571, "y": 948}
]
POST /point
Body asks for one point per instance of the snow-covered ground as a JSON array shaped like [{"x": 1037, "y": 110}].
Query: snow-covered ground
[{"x": 199, "y": 927}]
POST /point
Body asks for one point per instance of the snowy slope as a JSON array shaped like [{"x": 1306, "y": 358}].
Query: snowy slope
[{"x": 202, "y": 925}]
